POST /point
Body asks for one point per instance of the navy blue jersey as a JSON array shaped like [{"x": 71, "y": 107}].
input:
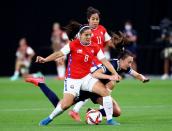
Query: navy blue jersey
[{"x": 115, "y": 64}]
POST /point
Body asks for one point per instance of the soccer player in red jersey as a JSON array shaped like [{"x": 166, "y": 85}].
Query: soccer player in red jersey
[
  {"x": 81, "y": 53},
  {"x": 99, "y": 36}
]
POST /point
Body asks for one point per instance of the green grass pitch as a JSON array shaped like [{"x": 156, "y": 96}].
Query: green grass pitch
[{"x": 145, "y": 107}]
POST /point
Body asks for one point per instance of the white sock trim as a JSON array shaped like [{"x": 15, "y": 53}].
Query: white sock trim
[
  {"x": 78, "y": 105},
  {"x": 58, "y": 110}
]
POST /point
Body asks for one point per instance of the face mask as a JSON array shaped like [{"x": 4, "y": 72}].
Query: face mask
[{"x": 128, "y": 27}]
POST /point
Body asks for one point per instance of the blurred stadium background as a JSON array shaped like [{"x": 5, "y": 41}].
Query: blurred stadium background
[
  {"x": 144, "y": 106},
  {"x": 33, "y": 20}
]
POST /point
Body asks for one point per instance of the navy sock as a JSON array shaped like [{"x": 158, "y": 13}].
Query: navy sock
[
  {"x": 102, "y": 112},
  {"x": 49, "y": 93}
]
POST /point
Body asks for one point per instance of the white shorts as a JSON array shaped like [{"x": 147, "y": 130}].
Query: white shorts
[
  {"x": 73, "y": 86},
  {"x": 89, "y": 82}
]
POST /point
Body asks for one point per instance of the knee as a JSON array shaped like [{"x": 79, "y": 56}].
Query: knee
[
  {"x": 105, "y": 93},
  {"x": 117, "y": 112},
  {"x": 65, "y": 105}
]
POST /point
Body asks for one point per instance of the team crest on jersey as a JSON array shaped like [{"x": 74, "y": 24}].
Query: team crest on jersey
[
  {"x": 101, "y": 32},
  {"x": 72, "y": 86},
  {"x": 92, "y": 51},
  {"x": 79, "y": 51}
]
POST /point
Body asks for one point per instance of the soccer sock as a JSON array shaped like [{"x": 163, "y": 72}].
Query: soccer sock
[
  {"x": 108, "y": 107},
  {"x": 101, "y": 107},
  {"x": 78, "y": 105},
  {"x": 102, "y": 112},
  {"x": 57, "y": 111},
  {"x": 16, "y": 73},
  {"x": 49, "y": 93},
  {"x": 61, "y": 71}
]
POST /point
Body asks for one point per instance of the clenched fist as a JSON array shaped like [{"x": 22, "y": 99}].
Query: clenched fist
[{"x": 40, "y": 59}]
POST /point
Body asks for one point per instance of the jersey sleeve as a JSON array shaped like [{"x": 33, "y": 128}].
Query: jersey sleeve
[
  {"x": 129, "y": 70},
  {"x": 107, "y": 36},
  {"x": 29, "y": 51},
  {"x": 100, "y": 55}
]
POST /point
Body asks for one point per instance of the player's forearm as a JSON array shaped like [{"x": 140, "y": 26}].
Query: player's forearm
[
  {"x": 140, "y": 77},
  {"x": 100, "y": 75},
  {"x": 54, "y": 56},
  {"x": 109, "y": 66}
]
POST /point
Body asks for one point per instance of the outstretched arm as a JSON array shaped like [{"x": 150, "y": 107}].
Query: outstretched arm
[
  {"x": 51, "y": 57},
  {"x": 139, "y": 76},
  {"x": 64, "y": 51}
]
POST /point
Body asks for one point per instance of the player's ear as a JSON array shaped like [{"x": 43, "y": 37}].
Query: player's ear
[{"x": 88, "y": 20}]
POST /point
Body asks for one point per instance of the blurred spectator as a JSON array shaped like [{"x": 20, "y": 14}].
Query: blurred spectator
[
  {"x": 166, "y": 36},
  {"x": 24, "y": 55},
  {"x": 59, "y": 38},
  {"x": 131, "y": 35}
]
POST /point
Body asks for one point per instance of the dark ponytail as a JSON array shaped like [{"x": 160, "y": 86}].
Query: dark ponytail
[{"x": 74, "y": 27}]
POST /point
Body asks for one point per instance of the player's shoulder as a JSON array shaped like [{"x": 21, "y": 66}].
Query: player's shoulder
[
  {"x": 74, "y": 42},
  {"x": 29, "y": 48},
  {"x": 101, "y": 27}
]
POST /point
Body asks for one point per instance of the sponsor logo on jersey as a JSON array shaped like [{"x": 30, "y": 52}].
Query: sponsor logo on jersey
[
  {"x": 79, "y": 51},
  {"x": 92, "y": 51}
]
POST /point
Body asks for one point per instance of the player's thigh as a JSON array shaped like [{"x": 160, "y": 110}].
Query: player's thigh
[
  {"x": 100, "y": 89},
  {"x": 88, "y": 83},
  {"x": 110, "y": 85},
  {"x": 72, "y": 86}
]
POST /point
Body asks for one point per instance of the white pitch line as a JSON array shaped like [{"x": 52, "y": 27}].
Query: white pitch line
[
  {"x": 24, "y": 109},
  {"x": 48, "y": 109}
]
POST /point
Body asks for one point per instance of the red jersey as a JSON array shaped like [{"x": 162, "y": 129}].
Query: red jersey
[
  {"x": 80, "y": 58},
  {"x": 100, "y": 36}
]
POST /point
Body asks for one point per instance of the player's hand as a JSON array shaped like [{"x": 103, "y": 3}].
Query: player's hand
[
  {"x": 115, "y": 77},
  {"x": 40, "y": 59},
  {"x": 146, "y": 80}
]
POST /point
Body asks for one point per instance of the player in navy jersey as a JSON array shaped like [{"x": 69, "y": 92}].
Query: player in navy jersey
[{"x": 121, "y": 65}]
